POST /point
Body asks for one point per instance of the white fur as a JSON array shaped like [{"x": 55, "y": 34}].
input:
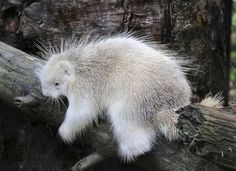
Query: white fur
[
  {"x": 133, "y": 137},
  {"x": 138, "y": 86},
  {"x": 213, "y": 101},
  {"x": 79, "y": 115}
]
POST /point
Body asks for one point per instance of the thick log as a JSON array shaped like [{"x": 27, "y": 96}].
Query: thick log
[{"x": 208, "y": 135}]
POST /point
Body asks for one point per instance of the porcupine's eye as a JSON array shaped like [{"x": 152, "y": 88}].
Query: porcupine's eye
[{"x": 56, "y": 84}]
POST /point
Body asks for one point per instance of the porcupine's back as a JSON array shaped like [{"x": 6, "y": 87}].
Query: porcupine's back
[{"x": 147, "y": 79}]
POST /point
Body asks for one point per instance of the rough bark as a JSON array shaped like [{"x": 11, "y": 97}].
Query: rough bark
[
  {"x": 208, "y": 135},
  {"x": 193, "y": 27}
]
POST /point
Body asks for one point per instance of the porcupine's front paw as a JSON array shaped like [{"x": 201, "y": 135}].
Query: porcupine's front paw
[{"x": 66, "y": 133}]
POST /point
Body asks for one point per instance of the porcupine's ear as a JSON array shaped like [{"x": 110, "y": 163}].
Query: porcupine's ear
[{"x": 67, "y": 68}]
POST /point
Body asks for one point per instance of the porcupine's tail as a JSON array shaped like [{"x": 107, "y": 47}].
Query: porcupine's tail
[{"x": 215, "y": 101}]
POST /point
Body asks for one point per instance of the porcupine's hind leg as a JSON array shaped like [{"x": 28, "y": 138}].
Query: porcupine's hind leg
[
  {"x": 165, "y": 123},
  {"x": 133, "y": 137}
]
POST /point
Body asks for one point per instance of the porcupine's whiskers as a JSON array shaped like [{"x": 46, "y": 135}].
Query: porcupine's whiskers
[
  {"x": 52, "y": 102},
  {"x": 58, "y": 104},
  {"x": 62, "y": 102},
  {"x": 49, "y": 102}
]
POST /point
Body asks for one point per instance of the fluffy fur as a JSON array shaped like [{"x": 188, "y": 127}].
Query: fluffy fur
[
  {"x": 138, "y": 86},
  {"x": 213, "y": 101}
]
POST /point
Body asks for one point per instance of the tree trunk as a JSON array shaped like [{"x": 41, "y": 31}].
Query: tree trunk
[{"x": 208, "y": 135}]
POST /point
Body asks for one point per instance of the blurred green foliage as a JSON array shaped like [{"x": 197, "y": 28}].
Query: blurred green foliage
[
  {"x": 233, "y": 41},
  {"x": 233, "y": 74}
]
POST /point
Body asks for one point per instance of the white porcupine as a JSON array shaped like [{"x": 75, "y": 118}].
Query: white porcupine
[{"x": 138, "y": 86}]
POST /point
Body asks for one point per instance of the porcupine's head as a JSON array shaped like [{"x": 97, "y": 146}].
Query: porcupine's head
[{"x": 55, "y": 76}]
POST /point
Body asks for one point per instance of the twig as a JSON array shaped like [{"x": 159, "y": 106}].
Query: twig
[{"x": 88, "y": 162}]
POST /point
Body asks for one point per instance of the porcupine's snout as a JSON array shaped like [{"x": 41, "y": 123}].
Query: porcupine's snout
[
  {"x": 48, "y": 93},
  {"x": 45, "y": 91}
]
